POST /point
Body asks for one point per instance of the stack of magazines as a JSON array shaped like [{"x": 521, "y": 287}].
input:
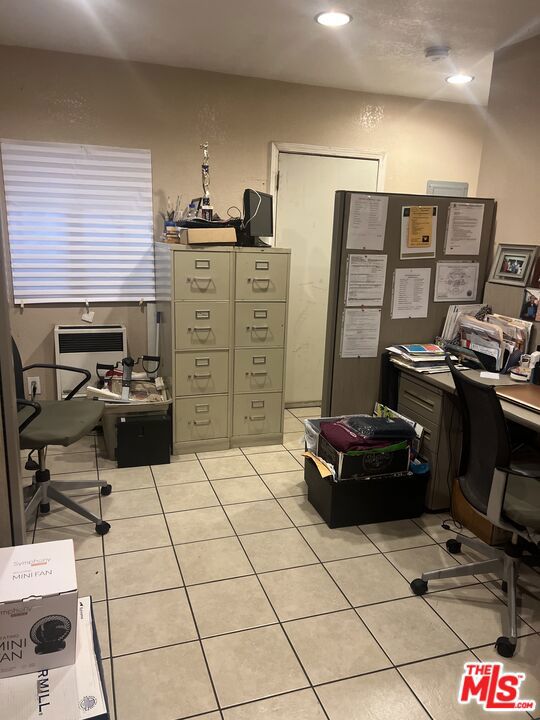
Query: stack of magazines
[{"x": 427, "y": 359}]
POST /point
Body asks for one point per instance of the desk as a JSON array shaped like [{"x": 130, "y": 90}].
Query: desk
[{"x": 431, "y": 400}]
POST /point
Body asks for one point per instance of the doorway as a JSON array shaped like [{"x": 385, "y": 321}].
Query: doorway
[{"x": 306, "y": 183}]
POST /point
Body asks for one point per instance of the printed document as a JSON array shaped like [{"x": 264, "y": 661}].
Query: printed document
[
  {"x": 365, "y": 279},
  {"x": 360, "y": 332},
  {"x": 410, "y": 293},
  {"x": 367, "y": 221}
]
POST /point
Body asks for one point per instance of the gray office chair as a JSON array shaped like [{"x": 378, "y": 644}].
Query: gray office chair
[
  {"x": 56, "y": 423},
  {"x": 503, "y": 485}
]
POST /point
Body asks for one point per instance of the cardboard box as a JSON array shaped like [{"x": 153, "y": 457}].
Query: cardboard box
[
  {"x": 38, "y": 607},
  {"x": 464, "y": 513},
  {"x": 68, "y": 693},
  {"x": 208, "y": 236},
  {"x": 367, "y": 463}
]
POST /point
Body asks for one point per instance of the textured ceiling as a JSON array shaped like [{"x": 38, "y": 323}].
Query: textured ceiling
[{"x": 382, "y": 50}]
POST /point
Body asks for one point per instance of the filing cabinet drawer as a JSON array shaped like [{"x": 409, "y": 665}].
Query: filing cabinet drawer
[
  {"x": 260, "y": 324},
  {"x": 202, "y": 325},
  {"x": 430, "y": 438},
  {"x": 201, "y": 418},
  {"x": 202, "y": 373},
  {"x": 256, "y": 370},
  {"x": 202, "y": 275},
  {"x": 424, "y": 400},
  {"x": 261, "y": 276},
  {"x": 257, "y": 414}
]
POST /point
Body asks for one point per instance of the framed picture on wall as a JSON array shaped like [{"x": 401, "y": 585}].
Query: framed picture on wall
[{"x": 513, "y": 264}]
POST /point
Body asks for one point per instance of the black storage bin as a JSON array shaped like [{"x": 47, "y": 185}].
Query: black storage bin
[
  {"x": 143, "y": 439},
  {"x": 365, "y": 499}
]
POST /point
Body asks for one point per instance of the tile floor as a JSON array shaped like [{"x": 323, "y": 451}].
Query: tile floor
[{"x": 220, "y": 593}]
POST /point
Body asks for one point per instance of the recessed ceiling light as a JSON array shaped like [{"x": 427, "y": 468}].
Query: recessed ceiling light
[
  {"x": 459, "y": 79},
  {"x": 333, "y": 19}
]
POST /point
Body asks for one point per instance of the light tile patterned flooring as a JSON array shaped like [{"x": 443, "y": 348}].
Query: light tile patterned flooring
[{"x": 220, "y": 593}]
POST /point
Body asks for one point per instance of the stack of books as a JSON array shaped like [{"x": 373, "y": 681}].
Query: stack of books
[{"x": 420, "y": 358}]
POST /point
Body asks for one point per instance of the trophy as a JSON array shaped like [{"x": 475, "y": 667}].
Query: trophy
[{"x": 206, "y": 207}]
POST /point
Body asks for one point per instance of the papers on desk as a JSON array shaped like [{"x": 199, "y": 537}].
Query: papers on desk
[
  {"x": 431, "y": 360},
  {"x": 499, "y": 341},
  {"x": 451, "y": 325}
]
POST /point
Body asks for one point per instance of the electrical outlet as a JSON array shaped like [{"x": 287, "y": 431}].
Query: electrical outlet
[{"x": 34, "y": 381}]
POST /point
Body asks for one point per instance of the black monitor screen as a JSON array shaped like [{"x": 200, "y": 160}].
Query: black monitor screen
[{"x": 258, "y": 219}]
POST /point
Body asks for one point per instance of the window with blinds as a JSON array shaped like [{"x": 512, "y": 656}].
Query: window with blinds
[{"x": 79, "y": 222}]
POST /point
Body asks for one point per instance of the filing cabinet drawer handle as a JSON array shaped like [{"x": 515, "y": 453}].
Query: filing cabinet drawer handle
[
  {"x": 197, "y": 280},
  {"x": 198, "y": 376},
  {"x": 200, "y": 329},
  {"x": 261, "y": 372},
  {"x": 260, "y": 327},
  {"x": 201, "y": 422},
  {"x": 259, "y": 280},
  {"x": 257, "y": 417}
]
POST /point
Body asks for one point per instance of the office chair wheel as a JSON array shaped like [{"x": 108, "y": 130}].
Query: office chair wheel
[
  {"x": 505, "y": 647},
  {"x": 453, "y": 546},
  {"x": 102, "y": 528},
  {"x": 504, "y": 586},
  {"x": 44, "y": 508},
  {"x": 106, "y": 490},
  {"x": 419, "y": 586}
]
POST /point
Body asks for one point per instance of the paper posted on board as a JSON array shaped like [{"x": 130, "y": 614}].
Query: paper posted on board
[
  {"x": 367, "y": 221},
  {"x": 464, "y": 228},
  {"x": 418, "y": 232},
  {"x": 410, "y": 293},
  {"x": 365, "y": 279},
  {"x": 360, "y": 332},
  {"x": 456, "y": 281}
]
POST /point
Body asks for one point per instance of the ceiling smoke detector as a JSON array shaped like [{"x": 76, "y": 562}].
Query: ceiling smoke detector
[{"x": 437, "y": 52}]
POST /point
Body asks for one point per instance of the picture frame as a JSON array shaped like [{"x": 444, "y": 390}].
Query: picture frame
[{"x": 513, "y": 264}]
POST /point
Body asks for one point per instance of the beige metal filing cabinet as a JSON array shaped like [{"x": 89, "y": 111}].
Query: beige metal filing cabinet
[{"x": 223, "y": 318}]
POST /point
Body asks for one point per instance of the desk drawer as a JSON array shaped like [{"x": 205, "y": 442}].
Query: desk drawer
[
  {"x": 202, "y": 373},
  {"x": 256, "y": 370},
  {"x": 201, "y": 418},
  {"x": 419, "y": 397},
  {"x": 202, "y": 325},
  {"x": 257, "y": 414},
  {"x": 430, "y": 439},
  {"x": 261, "y": 276},
  {"x": 260, "y": 324},
  {"x": 202, "y": 275}
]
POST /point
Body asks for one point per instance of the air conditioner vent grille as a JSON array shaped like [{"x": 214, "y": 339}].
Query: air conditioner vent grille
[{"x": 90, "y": 342}]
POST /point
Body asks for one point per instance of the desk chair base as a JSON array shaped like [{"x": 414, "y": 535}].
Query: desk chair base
[
  {"x": 503, "y": 562},
  {"x": 44, "y": 489}
]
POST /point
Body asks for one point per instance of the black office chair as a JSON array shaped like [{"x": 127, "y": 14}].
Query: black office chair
[
  {"x": 502, "y": 484},
  {"x": 56, "y": 423}
]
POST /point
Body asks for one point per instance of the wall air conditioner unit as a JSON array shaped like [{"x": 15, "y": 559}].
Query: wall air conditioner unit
[{"x": 83, "y": 346}]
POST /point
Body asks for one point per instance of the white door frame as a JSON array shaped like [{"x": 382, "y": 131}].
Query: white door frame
[{"x": 301, "y": 149}]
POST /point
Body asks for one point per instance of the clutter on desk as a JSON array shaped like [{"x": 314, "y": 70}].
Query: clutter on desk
[
  {"x": 429, "y": 359},
  {"x": 120, "y": 384}
]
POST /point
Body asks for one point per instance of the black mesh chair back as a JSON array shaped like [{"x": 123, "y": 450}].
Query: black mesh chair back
[
  {"x": 485, "y": 443},
  {"x": 18, "y": 368}
]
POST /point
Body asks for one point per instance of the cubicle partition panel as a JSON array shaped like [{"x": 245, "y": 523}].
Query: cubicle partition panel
[{"x": 363, "y": 316}]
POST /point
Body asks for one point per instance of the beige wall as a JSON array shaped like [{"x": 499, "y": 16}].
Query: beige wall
[
  {"x": 510, "y": 166},
  {"x": 72, "y": 98}
]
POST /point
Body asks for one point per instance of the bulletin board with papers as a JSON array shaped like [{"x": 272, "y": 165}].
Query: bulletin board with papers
[{"x": 398, "y": 262}]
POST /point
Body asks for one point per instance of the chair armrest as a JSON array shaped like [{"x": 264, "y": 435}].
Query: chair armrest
[
  {"x": 36, "y": 411},
  {"x": 522, "y": 472},
  {"x": 53, "y": 366}
]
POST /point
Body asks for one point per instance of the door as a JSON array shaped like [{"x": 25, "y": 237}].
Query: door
[{"x": 304, "y": 216}]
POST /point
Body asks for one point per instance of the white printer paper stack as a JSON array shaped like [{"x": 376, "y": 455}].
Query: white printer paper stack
[{"x": 67, "y": 693}]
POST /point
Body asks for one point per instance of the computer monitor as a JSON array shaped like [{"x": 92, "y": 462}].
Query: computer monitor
[{"x": 258, "y": 215}]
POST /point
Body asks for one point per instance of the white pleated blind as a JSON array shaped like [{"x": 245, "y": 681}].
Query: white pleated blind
[{"x": 79, "y": 222}]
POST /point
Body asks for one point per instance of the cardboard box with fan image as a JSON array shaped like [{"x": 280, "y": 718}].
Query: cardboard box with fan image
[{"x": 38, "y": 607}]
